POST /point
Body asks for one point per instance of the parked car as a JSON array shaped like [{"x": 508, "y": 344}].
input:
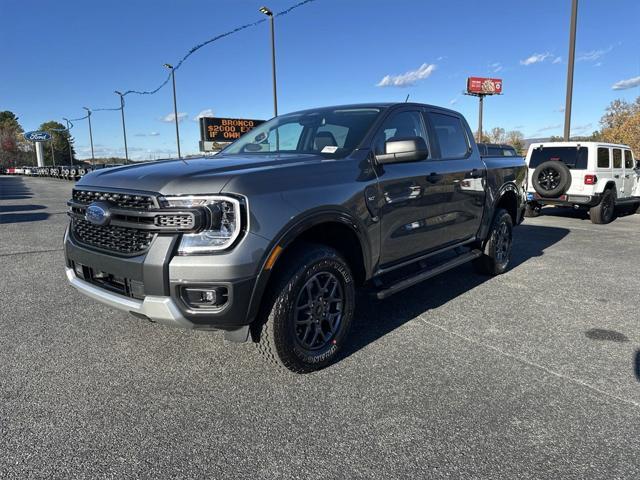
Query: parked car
[
  {"x": 269, "y": 239},
  {"x": 599, "y": 177},
  {"x": 496, "y": 150}
]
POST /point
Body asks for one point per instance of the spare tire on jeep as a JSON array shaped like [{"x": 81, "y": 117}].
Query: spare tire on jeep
[{"x": 551, "y": 179}]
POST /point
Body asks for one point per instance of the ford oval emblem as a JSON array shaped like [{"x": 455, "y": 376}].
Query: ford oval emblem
[{"x": 98, "y": 214}]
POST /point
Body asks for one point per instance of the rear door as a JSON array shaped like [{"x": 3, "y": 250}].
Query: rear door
[
  {"x": 457, "y": 194},
  {"x": 618, "y": 171}
]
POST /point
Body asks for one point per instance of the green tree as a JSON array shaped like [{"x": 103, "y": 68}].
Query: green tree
[
  {"x": 61, "y": 140},
  {"x": 13, "y": 146},
  {"x": 515, "y": 138},
  {"x": 621, "y": 124},
  {"x": 497, "y": 135}
]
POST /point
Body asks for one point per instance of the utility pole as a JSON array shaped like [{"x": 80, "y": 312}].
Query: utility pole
[
  {"x": 93, "y": 158},
  {"x": 269, "y": 14},
  {"x": 572, "y": 56},
  {"x": 124, "y": 128},
  {"x": 175, "y": 106}
]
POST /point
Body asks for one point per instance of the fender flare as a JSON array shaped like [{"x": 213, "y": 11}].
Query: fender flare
[{"x": 290, "y": 232}]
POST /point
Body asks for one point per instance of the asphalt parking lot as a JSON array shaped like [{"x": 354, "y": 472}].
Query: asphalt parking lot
[{"x": 532, "y": 374}]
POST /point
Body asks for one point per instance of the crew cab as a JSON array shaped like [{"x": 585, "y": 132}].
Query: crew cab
[
  {"x": 599, "y": 177},
  {"x": 268, "y": 240}
]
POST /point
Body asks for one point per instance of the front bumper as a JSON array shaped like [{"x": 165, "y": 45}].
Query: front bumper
[{"x": 160, "y": 275}]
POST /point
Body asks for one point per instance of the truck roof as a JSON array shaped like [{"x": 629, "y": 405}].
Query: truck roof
[
  {"x": 575, "y": 144},
  {"x": 379, "y": 105}
]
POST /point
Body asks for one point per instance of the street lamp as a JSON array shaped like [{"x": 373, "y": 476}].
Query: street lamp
[
  {"x": 175, "y": 105},
  {"x": 124, "y": 128},
  {"x": 269, "y": 13},
  {"x": 571, "y": 61},
  {"x": 93, "y": 158},
  {"x": 69, "y": 141}
]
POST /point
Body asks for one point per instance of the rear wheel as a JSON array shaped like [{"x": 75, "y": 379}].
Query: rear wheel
[
  {"x": 496, "y": 253},
  {"x": 605, "y": 211},
  {"x": 310, "y": 310},
  {"x": 532, "y": 209}
]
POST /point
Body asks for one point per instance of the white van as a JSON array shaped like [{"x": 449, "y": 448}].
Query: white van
[{"x": 589, "y": 175}]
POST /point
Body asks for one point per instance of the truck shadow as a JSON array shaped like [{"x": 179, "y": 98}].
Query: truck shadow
[
  {"x": 375, "y": 318},
  {"x": 13, "y": 188}
]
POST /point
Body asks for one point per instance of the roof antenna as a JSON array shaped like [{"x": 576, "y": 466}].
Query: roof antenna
[{"x": 406, "y": 99}]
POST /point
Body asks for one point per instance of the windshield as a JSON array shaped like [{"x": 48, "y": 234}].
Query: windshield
[
  {"x": 331, "y": 132},
  {"x": 572, "y": 157}
]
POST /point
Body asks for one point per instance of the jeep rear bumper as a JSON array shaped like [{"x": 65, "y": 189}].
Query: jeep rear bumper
[{"x": 566, "y": 200}]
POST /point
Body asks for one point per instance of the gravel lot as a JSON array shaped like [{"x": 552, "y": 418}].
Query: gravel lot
[{"x": 532, "y": 374}]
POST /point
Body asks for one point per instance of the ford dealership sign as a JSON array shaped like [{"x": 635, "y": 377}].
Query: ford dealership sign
[{"x": 37, "y": 136}]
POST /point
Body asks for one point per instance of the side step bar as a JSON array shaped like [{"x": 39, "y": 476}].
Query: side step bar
[{"x": 426, "y": 274}]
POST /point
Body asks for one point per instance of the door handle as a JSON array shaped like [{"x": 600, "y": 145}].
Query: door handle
[
  {"x": 434, "y": 177},
  {"x": 616, "y": 176},
  {"x": 475, "y": 173}
]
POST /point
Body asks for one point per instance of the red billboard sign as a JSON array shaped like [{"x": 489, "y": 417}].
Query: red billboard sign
[{"x": 484, "y": 86}]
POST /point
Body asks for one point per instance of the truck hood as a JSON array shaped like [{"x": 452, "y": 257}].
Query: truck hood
[{"x": 191, "y": 176}]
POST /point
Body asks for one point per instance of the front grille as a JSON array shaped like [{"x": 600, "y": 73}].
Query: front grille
[
  {"x": 121, "y": 200},
  {"x": 174, "y": 221},
  {"x": 128, "y": 241}
]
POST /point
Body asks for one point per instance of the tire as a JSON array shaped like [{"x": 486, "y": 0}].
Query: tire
[
  {"x": 551, "y": 179},
  {"x": 605, "y": 211},
  {"x": 496, "y": 253},
  {"x": 532, "y": 210},
  {"x": 289, "y": 337}
]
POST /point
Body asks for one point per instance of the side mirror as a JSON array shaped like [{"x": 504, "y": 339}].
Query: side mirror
[{"x": 409, "y": 149}]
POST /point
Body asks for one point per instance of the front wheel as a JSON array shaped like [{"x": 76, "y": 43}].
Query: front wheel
[
  {"x": 310, "y": 310},
  {"x": 496, "y": 253}
]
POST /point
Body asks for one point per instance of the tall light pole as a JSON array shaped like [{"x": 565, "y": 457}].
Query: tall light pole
[
  {"x": 124, "y": 128},
  {"x": 572, "y": 57},
  {"x": 69, "y": 141},
  {"x": 93, "y": 158},
  {"x": 269, "y": 14},
  {"x": 175, "y": 105}
]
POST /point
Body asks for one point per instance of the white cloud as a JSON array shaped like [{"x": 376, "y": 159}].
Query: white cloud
[
  {"x": 409, "y": 78},
  {"x": 539, "y": 58},
  {"x": 453, "y": 101},
  {"x": 496, "y": 67},
  {"x": 150, "y": 134},
  {"x": 582, "y": 128},
  {"x": 549, "y": 127},
  {"x": 599, "y": 64},
  {"x": 628, "y": 83},
  {"x": 170, "y": 117},
  {"x": 593, "y": 55},
  {"x": 207, "y": 112}
]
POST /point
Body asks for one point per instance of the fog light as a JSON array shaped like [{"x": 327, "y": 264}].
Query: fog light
[
  {"x": 211, "y": 297},
  {"x": 78, "y": 269}
]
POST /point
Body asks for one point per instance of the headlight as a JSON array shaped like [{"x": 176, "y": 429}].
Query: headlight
[{"x": 224, "y": 223}]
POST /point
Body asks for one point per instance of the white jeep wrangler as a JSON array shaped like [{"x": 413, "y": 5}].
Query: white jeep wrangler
[{"x": 583, "y": 175}]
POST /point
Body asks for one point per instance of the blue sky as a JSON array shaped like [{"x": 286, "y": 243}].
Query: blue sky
[{"x": 58, "y": 57}]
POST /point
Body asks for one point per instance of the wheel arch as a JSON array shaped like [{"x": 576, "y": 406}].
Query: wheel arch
[{"x": 336, "y": 228}]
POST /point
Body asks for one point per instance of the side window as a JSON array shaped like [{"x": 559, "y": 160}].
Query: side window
[
  {"x": 617, "y": 158},
  {"x": 451, "y": 135},
  {"x": 494, "y": 152},
  {"x": 399, "y": 125},
  {"x": 603, "y": 158},
  {"x": 628, "y": 159},
  {"x": 287, "y": 138}
]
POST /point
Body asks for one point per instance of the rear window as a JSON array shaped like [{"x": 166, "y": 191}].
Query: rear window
[
  {"x": 451, "y": 136},
  {"x": 617, "y": 158},
  {"x": 572, "y": 157},
  {"x": 603, "y": 158}
]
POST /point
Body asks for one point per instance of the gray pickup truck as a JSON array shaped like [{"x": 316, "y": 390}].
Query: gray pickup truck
[{"x": 268, "y": 240}]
